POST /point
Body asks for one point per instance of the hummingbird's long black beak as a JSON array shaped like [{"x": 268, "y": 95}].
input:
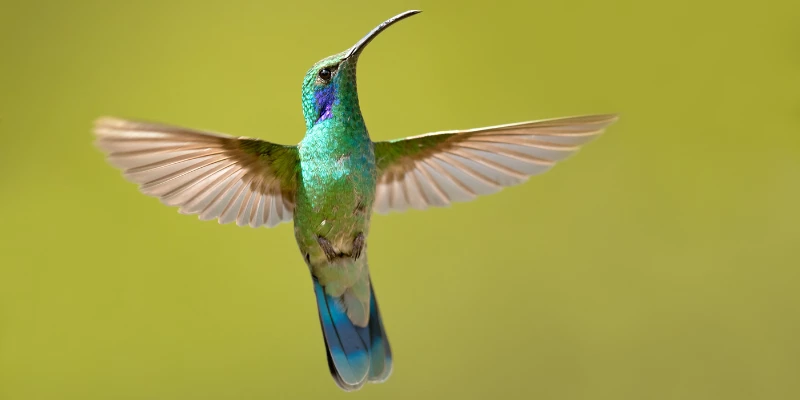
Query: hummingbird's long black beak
[{"x": 358, "y": 47}]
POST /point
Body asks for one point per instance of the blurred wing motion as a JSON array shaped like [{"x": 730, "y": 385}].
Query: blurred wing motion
[
  {"x": 249, "y": 181},
  {"x": 443, "y": 167}
]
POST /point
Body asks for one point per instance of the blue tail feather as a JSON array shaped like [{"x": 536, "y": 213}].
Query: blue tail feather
[
  {"x": 346, "y": 343},
  {"x": 355, "y": 355},
  {"x": 380, "y": 352}
]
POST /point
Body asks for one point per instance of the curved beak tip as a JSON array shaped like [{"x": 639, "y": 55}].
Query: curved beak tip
[{"x": 358, "y": 47}]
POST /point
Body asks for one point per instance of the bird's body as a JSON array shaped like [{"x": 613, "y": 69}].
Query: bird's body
[
  {"x": 336, "y": 188},
  {"x": 331, "y": 182}
]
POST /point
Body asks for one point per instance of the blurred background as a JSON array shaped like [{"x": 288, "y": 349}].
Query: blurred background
[{"x": 661, "y": 262}]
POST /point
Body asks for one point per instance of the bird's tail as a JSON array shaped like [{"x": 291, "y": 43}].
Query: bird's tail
[{"x": 355, "y": 354}]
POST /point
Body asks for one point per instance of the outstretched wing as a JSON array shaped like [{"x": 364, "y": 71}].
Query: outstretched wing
[
  {"x": 443, "y": 167},
  {"x": 249, "y": 181}
]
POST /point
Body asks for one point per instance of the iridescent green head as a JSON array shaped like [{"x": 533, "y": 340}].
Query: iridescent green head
[{"x": 329, "y": 88}]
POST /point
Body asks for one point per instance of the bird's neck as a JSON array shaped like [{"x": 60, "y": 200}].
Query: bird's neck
[
  {"x": 338, "y": 115},
  {"x": 335, "y": 101},
  {"x": 336, "y": 124}
]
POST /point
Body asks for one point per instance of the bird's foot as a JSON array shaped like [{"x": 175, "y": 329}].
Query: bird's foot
[
  {"x": 327, "y": 248},
  {"x": 358, "y": 245}
]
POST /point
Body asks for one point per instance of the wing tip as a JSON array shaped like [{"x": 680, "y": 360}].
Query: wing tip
[
  {"x": 605, "y": 119},
  {"x": 609, "y": 118},
  {"x": 107, "y": 127},
  {"x": 108, "y": 122}
]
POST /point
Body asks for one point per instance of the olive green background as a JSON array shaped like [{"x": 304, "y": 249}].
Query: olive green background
[{"x": 661, "y": 262}]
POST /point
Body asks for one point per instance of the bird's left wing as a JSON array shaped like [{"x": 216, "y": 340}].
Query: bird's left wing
[
  {"x": 443, "y": 167},
  {"x": 249, "y": 181}
]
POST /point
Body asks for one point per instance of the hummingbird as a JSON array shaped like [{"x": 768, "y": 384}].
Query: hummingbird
[{"x": 330, "y": 184}]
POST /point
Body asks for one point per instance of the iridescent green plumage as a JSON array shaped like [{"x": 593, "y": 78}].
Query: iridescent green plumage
[{"x": 331, "y": 182}]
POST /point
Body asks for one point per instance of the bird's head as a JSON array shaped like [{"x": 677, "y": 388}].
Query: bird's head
[{"x": 329, "y": 87}]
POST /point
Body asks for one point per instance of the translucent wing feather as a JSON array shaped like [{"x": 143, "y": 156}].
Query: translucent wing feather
[
  {"x": 249, "y": 181},
  {"x": 439, "y": 168}
]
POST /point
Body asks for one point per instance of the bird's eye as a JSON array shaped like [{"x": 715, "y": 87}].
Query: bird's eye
[{"x": 325, "y": 74}]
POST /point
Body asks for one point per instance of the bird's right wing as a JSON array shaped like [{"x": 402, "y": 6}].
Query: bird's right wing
[
  {"x": 439, "y": 168},
  {"x": 249, "y": 181}
]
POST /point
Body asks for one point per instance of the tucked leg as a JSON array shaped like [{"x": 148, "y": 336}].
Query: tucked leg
[
  {"x": 358, "y": 245},
  {"x": 327, "y": 247}
]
